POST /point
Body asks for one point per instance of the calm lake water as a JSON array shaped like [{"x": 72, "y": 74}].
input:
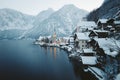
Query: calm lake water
[{"x": 21, "y": 60}]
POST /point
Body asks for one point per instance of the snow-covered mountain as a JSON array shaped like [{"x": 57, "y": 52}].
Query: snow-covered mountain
[
  {"x": 14, "y": 24},
  {"x": 42, "y": 16},
  {"x": 62, "y": 22},
  {"x": 12, "y": 19},
  {"x": 47, "y": 22}
]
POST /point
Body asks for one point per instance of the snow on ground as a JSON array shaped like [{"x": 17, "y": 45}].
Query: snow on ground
[
  {"x": 118, "y": 77},
  {"x": 117, "y": 43}
]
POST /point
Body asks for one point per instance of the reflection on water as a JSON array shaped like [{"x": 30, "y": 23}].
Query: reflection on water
[
  {"x": 52, "y": 50},
  {"x": 21, "y": 60},
  {"x": 54, "y": 53}
]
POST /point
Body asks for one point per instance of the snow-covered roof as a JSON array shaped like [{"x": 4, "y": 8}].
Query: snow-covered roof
[
  {"x": 88, "y": 51},
  {"x": 100, "y": 31},
  {"x": 107, "y": 44},
  {"x": 116, "y": 22},
  {"x": 89, "y": 60},
  {"x": 109, "y": 26},
  {"x": 82, "y": 36},
  {"x": 87, "y": 24},
  {"x": 66, "y": 38},
  {"x": 40, "y": 38},
  {"x": 48, "y": 36},
  {"x": 103, "y": 20}
]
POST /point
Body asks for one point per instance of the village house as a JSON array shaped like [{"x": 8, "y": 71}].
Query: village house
[
  {"x": 109, "y": 24},
  {"x": 81, "y": 41},
  {"x": 66, "y": 40},
  {"x": 104, "y": 46},
  {"x": 99, "y": 34},
  {"x": 84, "y": 26},
  {"x": 44, "y": 39},
  {"x": 63, "y": 40},
  {"x": 114, "y": 24},
  {"x": 95, "y": 45},
  {"x": 88, "y": 57},
  {"x": 117, "y": 25},
  {"x": 102, "y": 23}
]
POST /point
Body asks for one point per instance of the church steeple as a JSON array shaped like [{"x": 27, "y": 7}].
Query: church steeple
[{"x": 54, "y": 36}]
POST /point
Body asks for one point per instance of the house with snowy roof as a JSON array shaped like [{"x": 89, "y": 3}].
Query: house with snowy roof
[
  {"x": 84, "y": 26},
  {"x": 81, "y": 41},
  {"x": 99, "y": 34},
  {"x": 117, "y": 25},
  {"x": 102, "y": 23},
  {"x": 108, "y": 24},
  {"x": 114, "y": 24},
  {"x": 104, "y": 46},
  {"x": 87, "y": 25},
  {"x": 88, "y": 57}
]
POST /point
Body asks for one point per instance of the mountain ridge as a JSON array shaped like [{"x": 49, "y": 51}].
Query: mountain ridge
[
  {"x": 45, "y": 23},
  {"x": 62, "y": 21}
]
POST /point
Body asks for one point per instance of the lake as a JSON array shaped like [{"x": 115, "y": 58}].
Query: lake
[{"x": 22, "y": 60}]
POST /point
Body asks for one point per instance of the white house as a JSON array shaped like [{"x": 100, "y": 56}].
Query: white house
[
  {"x": 88, "y": 57},
  {"x": 82, "y": 40}
]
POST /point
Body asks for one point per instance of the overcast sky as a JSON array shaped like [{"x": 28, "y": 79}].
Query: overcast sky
[{"x": 33, "y": 7}]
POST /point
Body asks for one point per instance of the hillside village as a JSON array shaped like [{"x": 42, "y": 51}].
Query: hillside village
[{"x": 93, "y": 45}]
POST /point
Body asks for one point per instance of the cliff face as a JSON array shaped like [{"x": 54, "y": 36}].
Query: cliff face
[{"x": 108, "y": 9}]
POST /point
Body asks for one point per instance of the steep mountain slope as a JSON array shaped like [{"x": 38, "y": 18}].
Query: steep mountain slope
[
  {"x": 11, "y": 19},
  {"x": 42, "y": 16},
  {"x": 14, "y": 24},
  {"x": 108, "y": 9},
  {"x": 62, "y": 22}
]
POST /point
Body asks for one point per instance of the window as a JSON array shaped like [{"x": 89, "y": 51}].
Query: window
[{"x": 82, "y": 45}]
